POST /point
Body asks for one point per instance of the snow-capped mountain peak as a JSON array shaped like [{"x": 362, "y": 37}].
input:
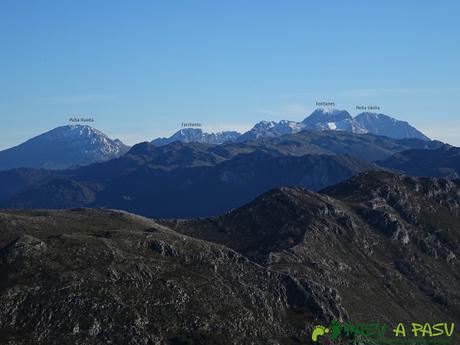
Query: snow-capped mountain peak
[
  {"x": 92, "y": 141},
  {"x": 332, "y": 119},
  {"x": 323, "y": 119},
  {"x": 63, "y": 147},
  {"x": 188, "y": 135},
  {"x": 270, "y": 129},
  {"x": 381, "y": 124},
  {"x": 324, "y": 116},
  {"x": 71, "y": 132},
  {"x": 263, "y": 125}
]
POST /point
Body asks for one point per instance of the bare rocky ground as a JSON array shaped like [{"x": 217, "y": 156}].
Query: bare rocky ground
[{"x": 378, "y": 247}]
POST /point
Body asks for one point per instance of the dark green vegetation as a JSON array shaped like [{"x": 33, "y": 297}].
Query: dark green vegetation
[
  {"x": 193, "y": 180},
  {"x": 377, "y": 247},
  {"x": 441, "y": 162}
]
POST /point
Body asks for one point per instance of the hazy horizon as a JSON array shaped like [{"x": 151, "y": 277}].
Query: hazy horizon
[{"x": 205, "y": 128}]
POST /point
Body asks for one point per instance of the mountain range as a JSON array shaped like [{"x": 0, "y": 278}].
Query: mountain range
[
  {"x": 265, "y": 273},
  {"x": 77, "y": 145},
  {"x": 181, "y": 177},
  {"x": 190, "y": 135},
  {"x": 251, "y": 239},
  {"x": 320, "y": 120},
  {"x": 184, "y": 180}
]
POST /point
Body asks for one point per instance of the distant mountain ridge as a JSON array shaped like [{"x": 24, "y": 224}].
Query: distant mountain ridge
[
  {"x": 442, "y": 162},
  {"x": 61, "y": 148},
  {"x": 188, "y": 135},
  {"x": 185, "y": 191},
  {"x": 270, "y": 129},
  {"x": 193, "y": 179},
  {"x": 337, "y": 120},
  {"x": 75, "y": 145},
  {"x": 319, "y": 120}
]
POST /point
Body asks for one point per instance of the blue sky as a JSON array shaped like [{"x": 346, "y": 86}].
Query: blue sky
[{"x": 141, "y": 68}]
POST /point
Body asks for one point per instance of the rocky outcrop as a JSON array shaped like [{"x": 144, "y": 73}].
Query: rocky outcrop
[{"x": 379, "y": 247}]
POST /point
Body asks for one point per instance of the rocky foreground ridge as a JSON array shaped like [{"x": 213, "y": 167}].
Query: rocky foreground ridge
[{"x": 378, "y": 247}]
